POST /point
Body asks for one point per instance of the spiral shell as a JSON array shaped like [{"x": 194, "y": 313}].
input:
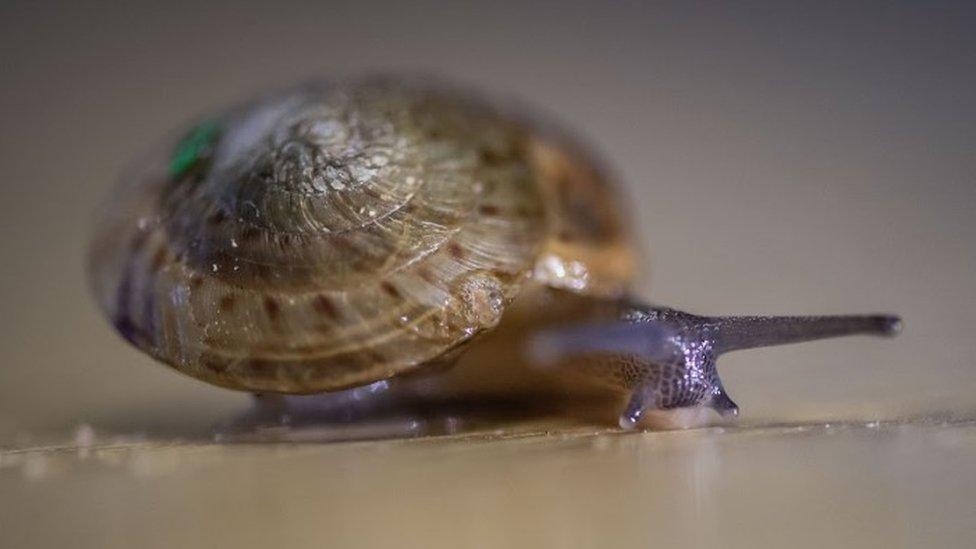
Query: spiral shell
[{"x": 326, "y": 237}]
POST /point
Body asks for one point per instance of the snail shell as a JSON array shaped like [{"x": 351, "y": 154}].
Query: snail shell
[{"x": 336, "y": 234}]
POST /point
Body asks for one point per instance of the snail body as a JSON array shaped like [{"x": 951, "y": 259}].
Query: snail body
[{"x": 338, "y": 234}]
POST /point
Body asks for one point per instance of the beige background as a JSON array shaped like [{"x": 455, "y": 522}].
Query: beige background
[{"x": 779, "y": 159}]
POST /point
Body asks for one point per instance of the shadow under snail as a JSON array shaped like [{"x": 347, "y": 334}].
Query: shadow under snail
[{"x": 339, "y": 234}]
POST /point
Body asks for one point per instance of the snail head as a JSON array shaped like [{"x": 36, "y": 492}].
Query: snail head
[{"x": 667, "y": 359}]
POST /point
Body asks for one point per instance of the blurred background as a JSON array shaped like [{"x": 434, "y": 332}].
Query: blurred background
[{"x": 779, "y": 158}]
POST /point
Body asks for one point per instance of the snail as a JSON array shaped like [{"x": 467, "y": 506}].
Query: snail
[{"x": 336, "y": 235}]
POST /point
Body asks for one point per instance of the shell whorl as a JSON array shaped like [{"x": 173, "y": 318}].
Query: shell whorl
[{"x": 324, "y": 237}]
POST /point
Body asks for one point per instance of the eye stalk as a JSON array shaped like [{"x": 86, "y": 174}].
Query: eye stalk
[{"x": 666, "y": 358}]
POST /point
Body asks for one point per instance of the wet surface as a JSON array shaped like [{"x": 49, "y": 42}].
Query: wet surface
[
  {"x": 877, "y": 484},
  {"x": 362, "y": 471}
]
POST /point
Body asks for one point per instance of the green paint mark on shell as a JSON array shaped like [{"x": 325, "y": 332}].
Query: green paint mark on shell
[{"x": 197, "y": 144}]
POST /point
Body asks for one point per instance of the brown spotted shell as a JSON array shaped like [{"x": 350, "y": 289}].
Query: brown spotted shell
[{"x": 337, "y": 234}]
